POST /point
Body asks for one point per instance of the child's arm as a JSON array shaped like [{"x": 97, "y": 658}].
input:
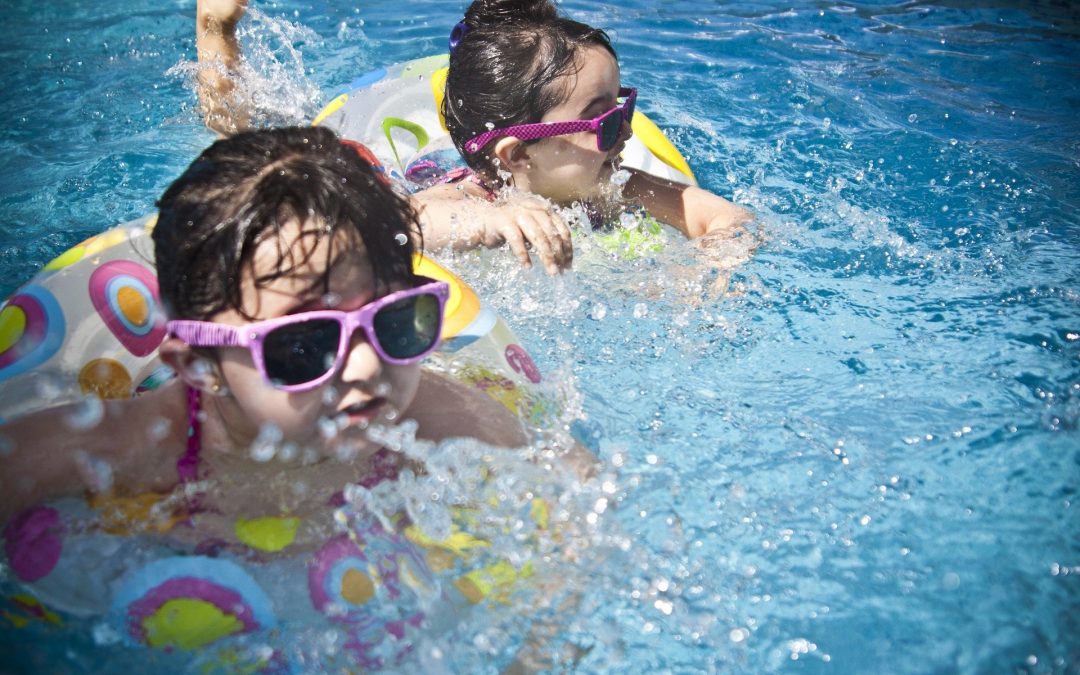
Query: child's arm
[
  {"x": 691, "y": 210},
  {"x": 219, "y": 55},
  {"x": 444, "y": 408},
  {"x": 458, "y": 215},
  {"x": 63, "y": 451}
]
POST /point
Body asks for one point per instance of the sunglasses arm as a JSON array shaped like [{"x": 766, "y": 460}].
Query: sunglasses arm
[{"x": 206, "y": 334}]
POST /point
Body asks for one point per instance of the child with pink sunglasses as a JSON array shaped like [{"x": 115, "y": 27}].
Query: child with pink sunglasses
[
  {"x": 285, "y": 266},
  {"x": 534, "y": 102}
]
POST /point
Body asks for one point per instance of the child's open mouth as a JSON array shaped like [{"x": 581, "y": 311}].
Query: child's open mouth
[{"x": 360, "y": 414}]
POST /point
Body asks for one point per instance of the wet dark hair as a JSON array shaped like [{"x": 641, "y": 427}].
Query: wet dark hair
[
  {"x": 243, "y": 190},
  {"x": 503, "y": 69}
]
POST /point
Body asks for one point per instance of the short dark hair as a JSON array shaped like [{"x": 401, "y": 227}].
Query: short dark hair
[
  {"x": 502, "y": 70},
  {"x": 246, "y": 188}
]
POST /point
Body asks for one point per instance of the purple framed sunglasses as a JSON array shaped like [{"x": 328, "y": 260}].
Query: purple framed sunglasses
[
  {"x": 302, "y": 351},
  {"x": 607, "y": 127}
]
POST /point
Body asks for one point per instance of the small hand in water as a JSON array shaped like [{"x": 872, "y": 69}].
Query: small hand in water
[
  {"x": 525, "y": 222},
  {"x": 724, "y": 251}
]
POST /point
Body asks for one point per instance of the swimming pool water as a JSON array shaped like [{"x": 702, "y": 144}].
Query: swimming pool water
[{"x": 859, "y": 455}]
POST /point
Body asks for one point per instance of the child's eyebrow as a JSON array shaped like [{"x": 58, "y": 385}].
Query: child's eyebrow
[
  {"x": 313, "y": 292},
  {"x": 598, "y": 100}
]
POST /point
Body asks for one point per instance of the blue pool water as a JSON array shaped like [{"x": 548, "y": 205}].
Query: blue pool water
[{"x": 862, "y": 456}]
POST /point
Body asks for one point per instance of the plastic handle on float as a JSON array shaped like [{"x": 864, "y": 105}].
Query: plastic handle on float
[
  {"x": 331, "y": 108},
  {"x": 655, "y": 140},
  {"x": 413, "y": 128}
]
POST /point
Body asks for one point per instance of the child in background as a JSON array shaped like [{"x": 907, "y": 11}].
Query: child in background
[
  {"x": 523, "y": 222},
  {"x": 535, "y": 101}
]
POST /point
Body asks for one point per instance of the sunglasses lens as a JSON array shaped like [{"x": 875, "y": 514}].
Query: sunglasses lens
[
  {"x": 610, "y": 128},
  {"x": 301, "y": 352},
  {"x": 409, "y": 327}
]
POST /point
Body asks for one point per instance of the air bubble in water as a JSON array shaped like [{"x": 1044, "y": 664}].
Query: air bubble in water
[
  {"x": 159, "y": 428},
  {"x": 48, "y": 387},
  {"x": 331, "y": 299},
  {"x": 265, "y": 445},
  {"x": 401, "y": 238},
  {"x": 86, "y": 414},
  {"x": 599, "y": 311},
  {"x": 327, "y": 428},
  {"x": 913, "y": 118},
  {"x": 105, "y": 635},
  {"x": 641, "y": 310},
  {"x": 288, "y": 452},
  {"x": 330, "y": 396},
  {"x": 96, "y": 473}
]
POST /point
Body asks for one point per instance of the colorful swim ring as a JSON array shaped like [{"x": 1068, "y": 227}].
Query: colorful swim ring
[
  {"x": 397, "y": 112},
  {"x": 90, "y": 322},
  {"x": 88, "y": 326}
]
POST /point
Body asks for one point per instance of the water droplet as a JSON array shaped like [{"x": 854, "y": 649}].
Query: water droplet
[
  {"x": 620, "y": 177},
  {"x": 85, "y": 414},
  {"x": 327, "y": 428},
  {"x": 105, "y": 635},
  {"x": 265, "y": 445},
  {"x": 401, "y": 238},
  {"x": 913, "y": 118},
  {"x": 159, "y": 428},
  {"x": 96, "y": 473},
  {"x": 641, "y": 310},
  {"x": 598, "y": 312}
]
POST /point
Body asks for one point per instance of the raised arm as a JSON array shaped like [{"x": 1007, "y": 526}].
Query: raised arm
[
  {"x": 693, "y": 211},
  {"x": 219, "y": 56}
]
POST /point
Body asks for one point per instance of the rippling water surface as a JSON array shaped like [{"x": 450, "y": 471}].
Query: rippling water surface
[{"x": 860, "y": 453}]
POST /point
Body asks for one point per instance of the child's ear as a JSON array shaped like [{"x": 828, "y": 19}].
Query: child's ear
[
  {"x": 196, "y": 370},
  {"x": 512, "y": 153}
]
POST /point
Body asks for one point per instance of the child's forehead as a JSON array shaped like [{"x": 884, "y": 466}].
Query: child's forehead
[
  {"x": 303, "y": 259},
  {"x": 593, "y": 69}
]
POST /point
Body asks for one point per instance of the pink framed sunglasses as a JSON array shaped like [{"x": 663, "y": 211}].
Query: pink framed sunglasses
[
  {"x": 301, "y": 351},
  {"x": 607, "y": 127}
]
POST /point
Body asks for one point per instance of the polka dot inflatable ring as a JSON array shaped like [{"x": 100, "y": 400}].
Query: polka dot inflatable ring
[{"x": 124, "y": 294}]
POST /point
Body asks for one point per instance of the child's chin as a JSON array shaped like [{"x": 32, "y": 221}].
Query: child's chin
[{"x": 352, "y": 447}]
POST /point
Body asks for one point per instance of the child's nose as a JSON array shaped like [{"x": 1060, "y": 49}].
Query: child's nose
[{"x": 362, "y": 362}]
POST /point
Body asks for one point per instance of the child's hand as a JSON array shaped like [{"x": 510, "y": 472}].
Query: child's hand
[
  {"x": 526, "y": 222},
  {"x": 219, "y": 55},
  {"x": 223, "y": 11}
]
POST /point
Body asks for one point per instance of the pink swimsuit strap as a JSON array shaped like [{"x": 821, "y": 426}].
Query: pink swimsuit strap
[{"x": 188, "y": 465}]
